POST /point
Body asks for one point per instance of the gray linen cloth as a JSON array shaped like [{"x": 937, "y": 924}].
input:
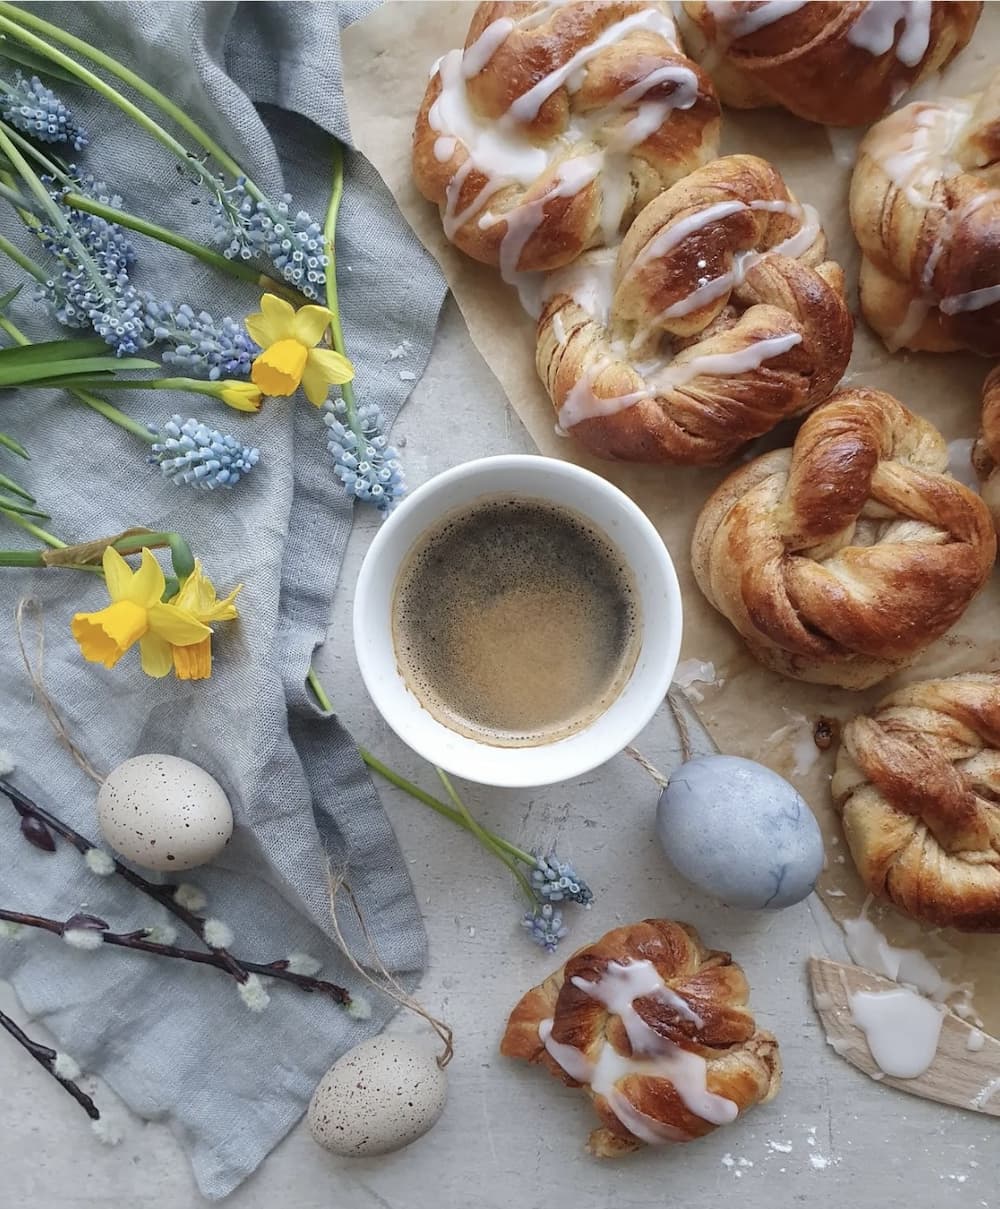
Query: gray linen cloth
[{"x": 175, "y": 1040}]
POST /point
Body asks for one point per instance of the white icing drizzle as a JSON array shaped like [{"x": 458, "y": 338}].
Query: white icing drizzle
[
  {"x": 870, "y": 949},
  {"x": 736, "y": 19},
  {"x": 558, "y": 329},
  {"x": 675, "y": 233},
  {"x": 589, "y": 281},
  {"x": 974, "y": 300},
  {"x": 486, "y": 46},
  {"x": 722, "y": 364},
  {"x": 916, "y": 313},
  {"x": 914, "y": 149},
  {"x": 874, "y": 30},
  {"x": 444, "y": 148},
  {"x": 582, "y": 404},
  {"x": 901, "y": 1027},
  {"x": 653, "y": 1056}
]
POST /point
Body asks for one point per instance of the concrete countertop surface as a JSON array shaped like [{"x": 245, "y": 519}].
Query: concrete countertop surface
[{"x": 510, "y": 1135}]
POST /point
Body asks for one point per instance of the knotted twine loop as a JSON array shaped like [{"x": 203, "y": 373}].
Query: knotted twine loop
[
  {"x": 29, "y": 612},
  {"x": 391, "y": 987},
  {"x": 674, "y": 699}
]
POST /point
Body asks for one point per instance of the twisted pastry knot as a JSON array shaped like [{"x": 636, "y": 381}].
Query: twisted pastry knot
[
  {"x": 843, "y": 64},
  {"x": 840, "y": 559},
  {"x": 555, "y": 124},
  {"x": 719, "y": 317},
  {"x": 925, "y": 207},
  {"x": 917, "y": 784},
  {"x": 656, "y": 1027},
  {"x": 986, "y": 451}
]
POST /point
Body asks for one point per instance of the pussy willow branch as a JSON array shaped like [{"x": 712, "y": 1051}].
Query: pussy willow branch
[
  {"x": 45, "y": 1057},
  {"x": 137, "y": 941},
  {"x": 237, "y": 967}
]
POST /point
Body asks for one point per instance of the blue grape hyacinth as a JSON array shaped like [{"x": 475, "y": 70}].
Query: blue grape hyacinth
[
  {"x": 545, "y": 926},
  {"x": 372, "y": 472},
  {"x": 36, "y": 111},
  {"x": 190, "y": 453},
  {"x": 246, "y": 227},
  {"x": 557, "y": 881}
]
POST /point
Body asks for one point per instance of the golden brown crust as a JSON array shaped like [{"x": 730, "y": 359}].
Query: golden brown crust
[
  {"x": 841, "y": 559},
  {"x": 742, "y": 1062},
  {"x": 986, "y": 451},
  {"x": 925, "y": 207},
  {"x": 583, "y": 117},
  {"x": 806, "y": 61},
  {"x": 917, "y": 784},
  {"x": 685, "y": 246}
]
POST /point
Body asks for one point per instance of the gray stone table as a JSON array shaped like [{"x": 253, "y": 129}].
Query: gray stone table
[{"x": 511, "y": 1136}]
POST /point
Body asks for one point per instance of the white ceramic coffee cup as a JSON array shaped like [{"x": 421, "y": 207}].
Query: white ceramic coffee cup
[{"x": 578, "y": 490}]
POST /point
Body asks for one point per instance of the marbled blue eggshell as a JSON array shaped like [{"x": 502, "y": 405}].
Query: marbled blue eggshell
[{"x": 740, "y": 832}]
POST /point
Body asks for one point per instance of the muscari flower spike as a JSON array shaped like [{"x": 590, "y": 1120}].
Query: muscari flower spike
[
  {"x": 249, "y": 228},
  {"x": 190, "y": 453},
  {"x": 545, "y": 926},
  {"x": 37, "y": 112},
  {"x": 373, "y": 473},
  {"x": 557, "y": 881}
]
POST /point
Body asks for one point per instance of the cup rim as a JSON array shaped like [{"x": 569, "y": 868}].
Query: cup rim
[{"x": 589, "y": 755}]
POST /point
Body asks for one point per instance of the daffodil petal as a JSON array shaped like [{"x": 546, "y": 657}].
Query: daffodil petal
[
  {"x": 147, "y": 584},
  {"x": 323, "y": 368},
  {"x": 157, "y": 656},
  {"x": 193, "y": 662},
  {"x": 310, "y": 323},
  {"x": 105, "y": 636},
  {"x": 176, "y": 625},
  {"x": 278, "y": 369},
  {"x": 117, "y": 573},
  {"x": 242, "y": 396},
  {"x": 273, "y": 322}
]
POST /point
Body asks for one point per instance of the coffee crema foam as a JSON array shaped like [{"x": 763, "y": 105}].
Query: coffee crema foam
[{"x": 515, "y": 622}]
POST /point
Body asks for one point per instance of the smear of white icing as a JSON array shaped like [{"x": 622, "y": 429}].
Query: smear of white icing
[
  {"x": 960, "y": 462},
  {"x": 974, "y": 300},
  {"x": 874, "y": 30},
  {"x": 694, "y": 671},
  {"x": 975, "y": 1041},
  {"x": 870, "y": 949},
  {"x": 902, "y": 1029},
  {"x": 486, "y": 46},
  {"x": 653, "y": 1056},
  {"x": 738, "y": 20}
]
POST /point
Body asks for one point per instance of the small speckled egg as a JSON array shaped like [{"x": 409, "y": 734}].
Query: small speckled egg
[
  {"x": 379, "y": 1097},
  {"x": 740, "y": 832},
  {"x": 164, "y": 813}
]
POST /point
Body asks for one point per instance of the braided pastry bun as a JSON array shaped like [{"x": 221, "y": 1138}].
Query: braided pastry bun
[
  {"x": 719, "y": 317},
  {"x": 986, "y": 451},
  {"x": 842, "y": 64},
  {"x": 839, "y": 560},
  {"x": 656, "y": 1028},
  {"x": 925, "y": 207},
  {"x": 917, "y": 784},
  {"x": 555, "y": 125}
]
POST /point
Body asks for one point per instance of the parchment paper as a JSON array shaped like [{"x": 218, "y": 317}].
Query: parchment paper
[{"x": 749, "y": 711}]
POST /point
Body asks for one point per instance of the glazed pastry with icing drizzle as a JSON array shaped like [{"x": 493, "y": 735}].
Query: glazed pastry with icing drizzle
[
  {"x": 839, "y": 560},
  {"x": 925, "y": 207},
  {"x": 656, "y": 1028},
  {"x": 843, "y": 63},
  {"x": 718, "y": 317},
  {"x": 555, "y": 124},
  {"x": 917, "y": 784},
  {"x": 986, "y": 450}
]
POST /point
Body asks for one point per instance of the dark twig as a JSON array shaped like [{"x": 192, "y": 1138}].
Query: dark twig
[
  {"x": 138, "y": 941},
  {"x": 46, "y": 1057}
]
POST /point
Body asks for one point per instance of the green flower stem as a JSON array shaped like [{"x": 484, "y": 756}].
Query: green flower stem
[
  {"x": 20, "y": 259},
  {"x": 448, "y": 812},
  {"x": 235, "y": 268},
  {"x": 19, "y": 202},
  {"x": 485, "y": 838},
  {"x": 101, "y": 406},
  {"x": 332, "y": 301},
  {"x": 14, "y": 20},
  {"x": 36, "y": 531}
]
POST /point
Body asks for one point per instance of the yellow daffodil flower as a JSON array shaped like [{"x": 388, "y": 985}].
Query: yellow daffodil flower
[
  {"x": 244, "y": 396},
  {"x": 197, "y": 597},
  {"x": 137, "y": 613},
  {"x": 289, "y": 357}
]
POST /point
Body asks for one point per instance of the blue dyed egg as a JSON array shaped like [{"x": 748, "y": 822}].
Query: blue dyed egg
[{"x": 740, "y": 832}]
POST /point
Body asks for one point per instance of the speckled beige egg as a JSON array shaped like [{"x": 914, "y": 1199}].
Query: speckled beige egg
[
  {"x": 164, "y": 813},
  {"x": 380, "y": 1096}
]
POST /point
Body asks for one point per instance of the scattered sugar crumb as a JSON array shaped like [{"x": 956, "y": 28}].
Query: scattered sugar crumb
[
  {"x": 472, "y": 931},
  {"x": 738, "y": 1174},
  {"x": 819, "y": 1161},
  {"x": 727, "y": 1160},
  {"x": 399, "y": 352},
  {"x": 746, "y": 1162},
  {"x": 780, "y": 1147},
  {"x": 836, "y": 894},
  {"x": 407, "y": 375}
]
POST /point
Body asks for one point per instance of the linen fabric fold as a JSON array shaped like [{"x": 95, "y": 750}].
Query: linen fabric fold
[{"x": 174, "y": 1040}]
